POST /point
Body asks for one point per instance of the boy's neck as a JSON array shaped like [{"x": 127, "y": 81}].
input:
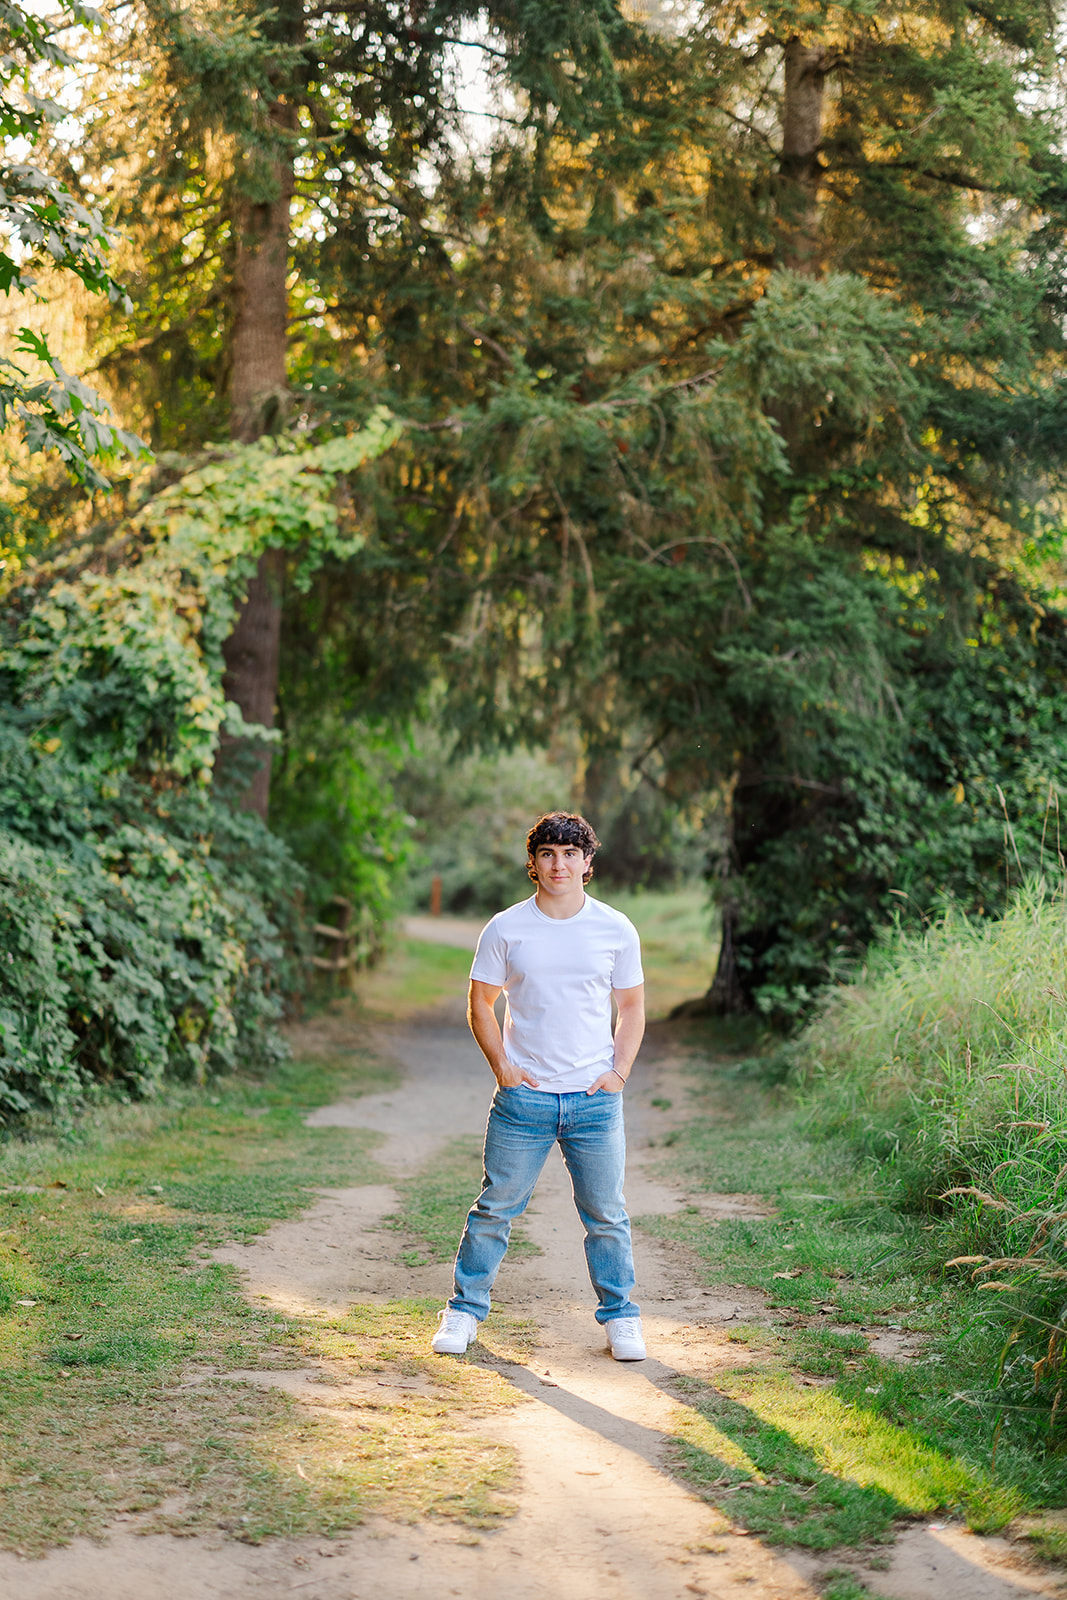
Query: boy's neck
[{"x": 560, "y": 907}]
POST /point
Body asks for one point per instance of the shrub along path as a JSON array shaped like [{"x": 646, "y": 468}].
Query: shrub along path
[{"x": 753, "y": 1454}]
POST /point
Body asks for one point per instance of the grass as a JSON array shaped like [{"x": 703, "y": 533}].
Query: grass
[
  {"x": 435, "y": 1202},
  {"x": 837, "y": 1441},
  {"x": 417, "y": 975},
  {"x": 795, "y": 1445},
  {"x": 678, "y": 945},
  {"x": 117, "y": 1331},
  {"x": 944, "y": 1069},
  {"x": 839, "y": 1584}
]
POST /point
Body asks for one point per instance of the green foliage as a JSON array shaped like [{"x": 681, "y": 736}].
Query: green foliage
[
  {"x": 755, "y": 460},
  {"x": 471, "y": 816},
  {"x": 765, "y": 517},
  {"x": 945, "y": 1063},
  {"x": 153, "y": 949},
  {"x": 858, "y": 1298},
  {"x": 334, "y": 804},
  {"x": 150, "y": 930},
  {"x": 228, "y": 91},
  {"x": 46, "y": 226}
]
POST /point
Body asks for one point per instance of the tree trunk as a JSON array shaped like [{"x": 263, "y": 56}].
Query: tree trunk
[
  {"x": 259, "y": 401},
  {"x": 252, "y": 654},
  {"x": 806, "y": 67},
  {"x": 726, "y": 995},
  {"x": 258, "y": 391}
]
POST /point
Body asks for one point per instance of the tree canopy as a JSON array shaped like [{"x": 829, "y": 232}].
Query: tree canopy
[{"x": 727, "y": 367}]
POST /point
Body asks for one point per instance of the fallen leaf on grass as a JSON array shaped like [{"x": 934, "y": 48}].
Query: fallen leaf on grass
[
  {"x": 300, "y": 1472},
  {"x": 97, "y": 1190},
  {"x": 793, "y": 1272},
  {"x": 25, "y": 1302},
  {"x": 74, "y": 1336}
]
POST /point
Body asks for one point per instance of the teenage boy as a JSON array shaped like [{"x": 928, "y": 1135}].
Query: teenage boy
[{"x": 558, "y": 957}]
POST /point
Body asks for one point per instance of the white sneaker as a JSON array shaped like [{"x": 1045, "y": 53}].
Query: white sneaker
[
  {"x": 626, "y": 1338},
  {"x": 456, "y": 1331}
]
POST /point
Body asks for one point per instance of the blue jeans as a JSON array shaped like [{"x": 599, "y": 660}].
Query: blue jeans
[{"x": 523, "y": 1126}]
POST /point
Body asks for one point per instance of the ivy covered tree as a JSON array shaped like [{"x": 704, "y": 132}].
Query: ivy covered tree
[
  {"x": 151, "y": 929},
  {"x": 263, "y": 139}
]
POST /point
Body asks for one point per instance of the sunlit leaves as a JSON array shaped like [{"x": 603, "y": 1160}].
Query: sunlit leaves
[{"x": 45, "y": 223}]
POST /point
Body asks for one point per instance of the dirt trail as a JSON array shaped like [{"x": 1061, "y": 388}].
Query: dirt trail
[{"x": 598, "y": 1514}]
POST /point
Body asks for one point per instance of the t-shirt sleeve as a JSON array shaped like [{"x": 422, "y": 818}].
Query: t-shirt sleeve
[
  {"x": 627, "y": 972},
  {"x": 490, "y": 963}
]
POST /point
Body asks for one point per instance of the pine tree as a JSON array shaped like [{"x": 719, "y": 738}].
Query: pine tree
[
  {"x": 249, "y": 116},
  {"x": 732, "y": 374},
  {"x": 754, "y": 386}
]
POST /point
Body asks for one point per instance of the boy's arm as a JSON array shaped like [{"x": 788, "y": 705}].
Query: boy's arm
[
  {"x": 629, "y": 1031},
  {"x": 486, "y": 1029}
]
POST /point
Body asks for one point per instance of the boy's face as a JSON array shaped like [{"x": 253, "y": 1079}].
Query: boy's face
[{"x": 560, "y": 868}]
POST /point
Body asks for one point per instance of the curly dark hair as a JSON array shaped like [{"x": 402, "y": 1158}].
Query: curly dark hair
[{"x": 563, "y": 827}]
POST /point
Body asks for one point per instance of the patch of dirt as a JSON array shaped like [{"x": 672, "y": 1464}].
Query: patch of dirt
[
  {"x": 943, "y": 1561},
  {"x": 598, "y": 1511},
  {"x": 459, "y": 932},
  {"x": 894, "y": 1344}
]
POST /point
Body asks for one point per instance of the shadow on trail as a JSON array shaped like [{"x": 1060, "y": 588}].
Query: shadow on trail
[{"x": 800, "y": 1466}]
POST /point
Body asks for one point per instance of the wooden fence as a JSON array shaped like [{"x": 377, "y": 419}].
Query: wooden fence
[{"x": 346, "y": 943}]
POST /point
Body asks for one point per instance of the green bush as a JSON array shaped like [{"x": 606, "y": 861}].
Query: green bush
[
  {"x": 333, "y": 803},
  {"x": 147, "y": 928},
  {"x": 143, "y": 955}
]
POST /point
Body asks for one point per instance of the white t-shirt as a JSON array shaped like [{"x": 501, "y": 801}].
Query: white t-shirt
[{"x": 558, "y": 975}]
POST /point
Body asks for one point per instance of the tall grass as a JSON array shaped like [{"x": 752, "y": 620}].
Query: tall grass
[{"x": 946, "y": 1063}]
